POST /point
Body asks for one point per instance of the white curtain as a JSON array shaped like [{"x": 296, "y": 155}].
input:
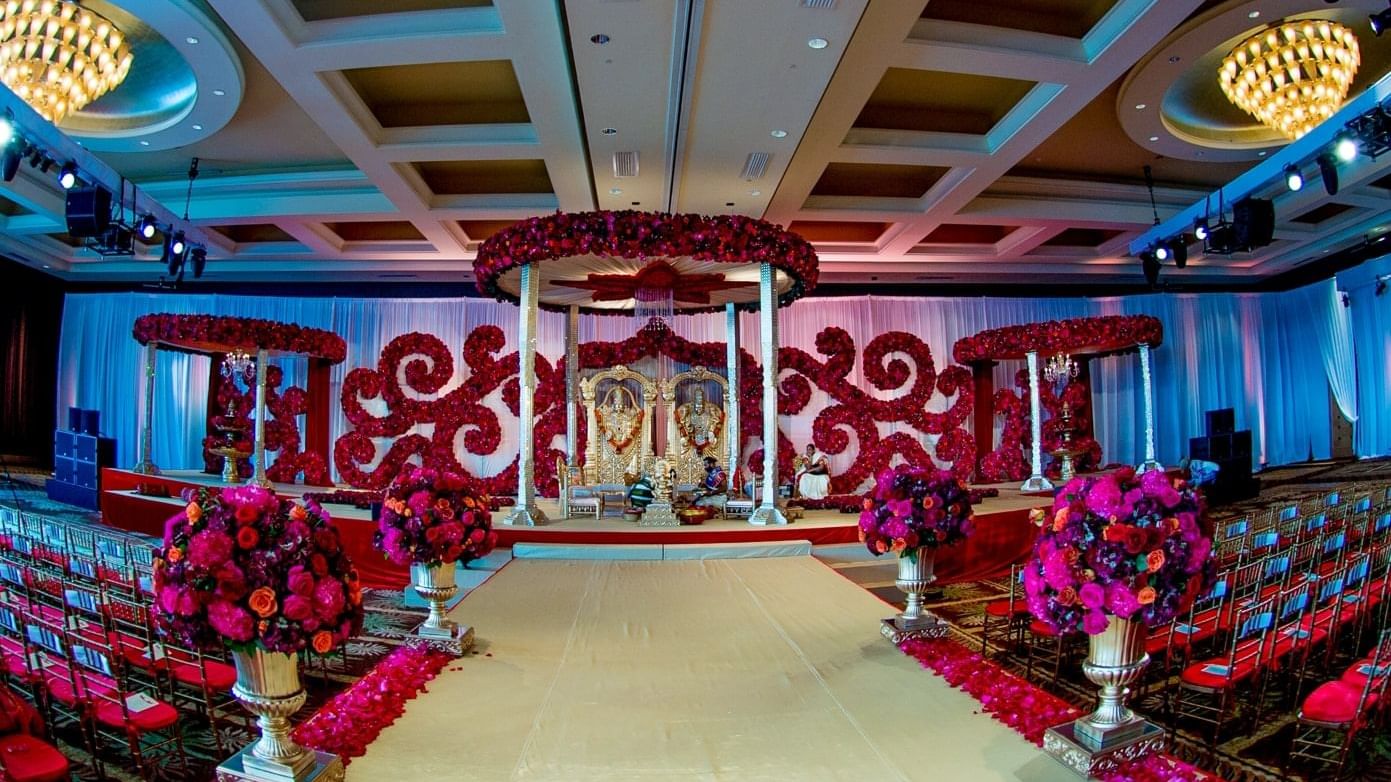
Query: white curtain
[
  {"x": 1256, "y": 353},
  {"x": 1369, "y": 317}
]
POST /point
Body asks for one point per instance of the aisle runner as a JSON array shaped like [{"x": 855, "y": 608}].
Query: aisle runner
[
  {"x": 746, "y": 669},
  {"x": 1028, "y": 709}
]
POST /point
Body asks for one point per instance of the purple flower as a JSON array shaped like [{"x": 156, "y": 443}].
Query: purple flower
[
  {"x": 1056, "y": 571},
  {"x": 868, "y": 520},
  {"x": 208, "y": 549},
  {"x": 231, "y": 621},
  {"x": 1092, "y": 595},
  {"x": 1094, "y": 623},
  {"x": 328, "y": 599},
  {"x": 1157, "y": 485},
  {"x": 1120, "y": 600},
  {"x": 1105, "y": 498}
]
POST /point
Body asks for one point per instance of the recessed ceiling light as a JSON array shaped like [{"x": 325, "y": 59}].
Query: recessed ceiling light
[
  {"x": 609, "y": 131},
  {"x": 755, "y": 192},
  {"x": 729, "y": 203},
  {"x": 818, "y": 43},
  {"x": 778, "y": 134},
  {"x": 191, "y": 40},
  {"x": 46, "y": 266},
  {"x": 197, "y": 126},
  {"x": 219, "y": 93},
  {"x": 615, "y": 191},
  {"x": 1140, "y": 106},
  {"x": 1154, "y": 138},
  {"x": 1254, "y": 15},
  {"x": 1175, "y": 58},
  {"x": 144, "y": 143},
  {"x": 599, "y": 39},
  {"x": 1261, "y": 153}
]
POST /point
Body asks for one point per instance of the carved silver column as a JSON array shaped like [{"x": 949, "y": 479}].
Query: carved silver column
[
  {"x": 572, "y": 393},
  {"x": 1037, "y": 481},
  {"x": 525, "y": 513},
  {"x": 731, "y": 403},
  {"x": 258, "y": 454},
  {"x": 767, "y": 512},
  {"x": 146, "y": 465},
  {"x": 1151, "y": 461}
]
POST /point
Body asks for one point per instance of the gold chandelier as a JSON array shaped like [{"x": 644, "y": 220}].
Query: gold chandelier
[
  {"x": 58, "y": 56},
  {"x": 1292, "y": 76}
]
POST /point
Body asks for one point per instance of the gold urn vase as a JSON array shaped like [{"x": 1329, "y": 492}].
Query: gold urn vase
[
  {"x": 1112, "y": 734},
  {"x": 268, "y": 686},
  {"x": 436, "y": 584},
  {"x": 915, "y": 577}
]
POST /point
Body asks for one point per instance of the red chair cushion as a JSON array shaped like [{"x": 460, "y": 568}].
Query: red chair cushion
[
  {"x": 1039, "y": 627},
  {"x": 221, "y": 676},
  {"x": 1335, "y": 702},
  {"x": 157, "y": 717},
  {"x": 27, "y": 759},
  {"x": 1006, "y": 607}
]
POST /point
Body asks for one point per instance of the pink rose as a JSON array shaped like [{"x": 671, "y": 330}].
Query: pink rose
[
  {"x": 297, "y": 608},
  {"x": 231, "y": 621},
  {"x": 328, "y": 599},
  {"x": 300, "y": 581}
]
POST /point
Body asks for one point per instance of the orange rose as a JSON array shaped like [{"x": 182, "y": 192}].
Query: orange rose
[
  {"x": 323, "y": 642},
  {"x": 928, "y": 502},
  {"x": 1155, "y": 560},
  {"x": 898, "y": 546},
  {"x": 354, "y": 594},
  {"x": 262, "y": 626},
  {"x": 1060, "y": 519},
  {"x": 298, "y": 513},
  {"x": 868, "y": 504},
  {"x": 174, "y": 556},
  {"x": 193, "y": 511},
  {"x": 1037, "y": 516},
  {"x": 1146, "y": 596},
  {"x": 263, "y": 602}
]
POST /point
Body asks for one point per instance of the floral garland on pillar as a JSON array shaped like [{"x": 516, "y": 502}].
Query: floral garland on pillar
[{"x": 283, "y": 409}]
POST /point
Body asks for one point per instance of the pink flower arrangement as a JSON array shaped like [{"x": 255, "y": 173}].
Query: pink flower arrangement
[
  {"x": 354, "y": 717},
  {"x": 244, "y": 568},
  {"x": 913, "y": 508},
  {"x": 1135, "y": 547},
  {"x": 430, "y": 517},
  {"x": 221, "y": 334},
  {"x": 1106, "y": 334}
]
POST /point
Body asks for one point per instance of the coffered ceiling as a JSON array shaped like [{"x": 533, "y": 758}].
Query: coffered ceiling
[{"x": 973, "y": 141}]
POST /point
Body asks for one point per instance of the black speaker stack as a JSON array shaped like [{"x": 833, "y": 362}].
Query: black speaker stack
[
  {"x": 1230, "y": 450},
  {"x": 79, "y": 453}
]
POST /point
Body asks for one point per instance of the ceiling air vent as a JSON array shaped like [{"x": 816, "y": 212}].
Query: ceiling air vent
[
  {"x": 625, "y": 164},
  {"x": 755, "y": 166},
  {"x": 818, "y": 3}
]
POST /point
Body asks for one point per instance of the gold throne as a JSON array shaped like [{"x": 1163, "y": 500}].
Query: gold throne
[{"x": 696, "y": 427}]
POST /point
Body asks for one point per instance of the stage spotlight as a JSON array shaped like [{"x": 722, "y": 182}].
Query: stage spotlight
[
  {"x": 1200, "y": 229},
  {"x": 198, "y": 256},
  {"x": 1180, "y": 253},
  {"x": 67, "y": 175},
  {"x": 1328, "y": 171},
  {"x": 1380, "y": 21},
  {"x": 1150, "y": 265},
  {"x": 11, "y": 158},
  {"x": 1293, "y": 179},
  {"x": 148, "y": 227},
  {"x": 1161, "y": 251},
  {"x": 174, "y": 247},
  {"x": 177, "y": 245},
  {"x": 1345, "y": 147}
]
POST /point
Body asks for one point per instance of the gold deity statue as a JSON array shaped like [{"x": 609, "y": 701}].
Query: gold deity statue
[
  {"x": 700, "y": 424},
  {"x": 620, "y": 423}
]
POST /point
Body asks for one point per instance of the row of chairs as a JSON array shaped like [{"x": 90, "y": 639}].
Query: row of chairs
[{"x": 1337, "y": 711}]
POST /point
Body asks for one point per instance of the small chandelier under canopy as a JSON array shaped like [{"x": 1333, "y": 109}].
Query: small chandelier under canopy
[
  {"x": 1292, "y": 76},
  {"x": 1060, "y": 368},
  {"x": 58, "y": 56},
  {"x": 238, "y": 363}
]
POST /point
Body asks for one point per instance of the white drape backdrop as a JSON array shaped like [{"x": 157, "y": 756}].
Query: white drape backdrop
[
  {"x": 1370, "y": 320},
  {"x": 1257, "y": 353}
]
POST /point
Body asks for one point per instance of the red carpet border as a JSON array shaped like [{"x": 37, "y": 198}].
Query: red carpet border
[
  {"x": 356, "y": 716},
  {"x": 1029, "y": 709}
]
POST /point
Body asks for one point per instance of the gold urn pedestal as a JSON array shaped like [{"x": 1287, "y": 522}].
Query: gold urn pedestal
[
  {"x": 438, "y": 586},
  {"x": 1092, "y": 759},
  {"x": 246, "y": 767}
]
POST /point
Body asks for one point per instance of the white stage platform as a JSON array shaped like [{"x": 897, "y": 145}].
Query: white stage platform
[{"x": 733, "y": 669}]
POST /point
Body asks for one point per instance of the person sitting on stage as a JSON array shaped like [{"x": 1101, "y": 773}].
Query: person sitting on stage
[
  {"x": 813, "y": 478},
  {"x": 713, "y": 487},
  {"x": 640, "y": 494}
]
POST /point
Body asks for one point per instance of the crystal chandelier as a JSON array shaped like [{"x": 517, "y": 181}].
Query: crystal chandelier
[
  {"x": 1060, "y": 368},
  {"x": 58, "y": 57},
  {"x": 237, "y": 364},
  {"x": 1292, "y": 76}
]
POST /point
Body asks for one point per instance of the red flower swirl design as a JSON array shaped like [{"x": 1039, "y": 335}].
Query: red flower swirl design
[{"x": 1078, "y": 336}]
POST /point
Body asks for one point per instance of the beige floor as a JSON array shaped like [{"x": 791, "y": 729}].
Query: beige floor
[{"x": 755, "y": 669}]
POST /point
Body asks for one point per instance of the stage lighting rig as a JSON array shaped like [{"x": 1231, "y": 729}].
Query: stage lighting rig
[
  {"x": 67, "y": 175},
  {"x": 1380, "y": 21},
  {"x": 1328, "y": 171},
  {"x": 148, "y": 227}
]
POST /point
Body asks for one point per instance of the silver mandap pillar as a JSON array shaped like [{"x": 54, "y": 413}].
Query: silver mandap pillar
[
  {"x": 572, "y": 393},
  {"x": 731, "y": 402},
  {"x": 525, "y": 513},
  {"x": 767, "y": 512},
  {"x": 146, "y": 465},
  {"x": 258, "y": 454},
  {"x": 1037, "y": 481},
  {"x": 1151, "y": 461}
]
